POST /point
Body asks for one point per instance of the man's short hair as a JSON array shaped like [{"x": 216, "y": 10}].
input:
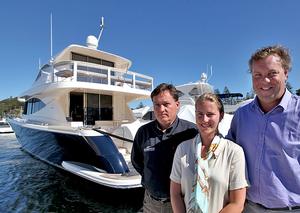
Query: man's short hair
[
  {"x": 277, "y": 50},
  {"x": 165, "y": 87}
]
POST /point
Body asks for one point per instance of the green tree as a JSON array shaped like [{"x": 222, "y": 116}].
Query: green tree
[
  {"x": 289, "y": 87},
  {"x": 249, "y": 95},
  {"x": 226, "y": 90},
  {"x": 10, "y": 107},
  {"x": 217, "y": 91}
]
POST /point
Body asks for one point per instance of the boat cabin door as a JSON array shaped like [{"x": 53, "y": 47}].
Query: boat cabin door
[
  {"x": 84, "y": 107},
  {"x": 89, "y": 107},
  {"x": 76, "y": 107},
  {"x": 92, "y": 109}
]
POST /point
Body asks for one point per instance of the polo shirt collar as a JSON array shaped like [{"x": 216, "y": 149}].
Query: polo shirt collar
[{"x": 170, "y": 129}]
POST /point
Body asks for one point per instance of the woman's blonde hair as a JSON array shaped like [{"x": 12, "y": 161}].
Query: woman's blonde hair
[{"x": 212, "y": 98}]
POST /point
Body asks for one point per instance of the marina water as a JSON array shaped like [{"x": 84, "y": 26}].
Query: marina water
[{"x": 29, "y": 185}]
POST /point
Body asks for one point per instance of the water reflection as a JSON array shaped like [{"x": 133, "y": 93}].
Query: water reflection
[{"x": 29, "y": 185}]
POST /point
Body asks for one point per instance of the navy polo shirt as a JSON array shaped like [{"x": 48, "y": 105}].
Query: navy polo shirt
[{"x": 153, "y": 151}]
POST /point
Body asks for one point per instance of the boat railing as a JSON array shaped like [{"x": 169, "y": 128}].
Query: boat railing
[
  {"x": 110, "y": 123},
  {"x": 77, "y": 71}
]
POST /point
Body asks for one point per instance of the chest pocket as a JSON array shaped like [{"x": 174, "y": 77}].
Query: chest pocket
[
  {"x": 292, "y": 127},
  {"x": 291, "y": 135}
]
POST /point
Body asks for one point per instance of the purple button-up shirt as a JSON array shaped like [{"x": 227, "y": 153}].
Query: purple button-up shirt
[{"x": 271, "y": 142}]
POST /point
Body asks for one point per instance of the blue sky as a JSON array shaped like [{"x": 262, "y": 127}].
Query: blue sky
[{"x": 171, "y": 40}]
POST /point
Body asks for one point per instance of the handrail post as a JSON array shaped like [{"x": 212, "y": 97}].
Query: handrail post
[
  {"x": 133, "y": 78},
  {"x": 75, "y": 71},
  {"x": 151, "y": 84},
  {"x": 108, "y": 76}
]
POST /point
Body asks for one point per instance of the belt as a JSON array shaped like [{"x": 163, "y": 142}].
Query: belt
[
  {"x": 287, "y": 208},
  {"x": 162, "y": 200}
]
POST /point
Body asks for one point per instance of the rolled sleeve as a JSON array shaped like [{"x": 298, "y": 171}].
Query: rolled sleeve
[
  {"x": 176, "y": 167},
  {"x": 238, "y": 172}
]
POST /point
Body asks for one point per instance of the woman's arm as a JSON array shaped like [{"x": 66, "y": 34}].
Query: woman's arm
[
  {"x": 177, "y": 198},
  {"x": 236, "y": 201}
]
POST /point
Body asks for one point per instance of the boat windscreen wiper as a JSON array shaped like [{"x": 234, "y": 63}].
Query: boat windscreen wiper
[{"x": 112, "y": 135}]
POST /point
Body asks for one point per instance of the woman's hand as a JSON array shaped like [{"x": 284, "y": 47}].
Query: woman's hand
[{"x": 177, "y": 200}]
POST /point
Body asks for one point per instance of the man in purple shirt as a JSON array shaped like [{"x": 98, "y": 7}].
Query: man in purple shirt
[{"x": 268, "y": 129}]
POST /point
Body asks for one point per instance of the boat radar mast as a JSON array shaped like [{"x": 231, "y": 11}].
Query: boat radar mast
[
  {"x": 92, "y": 41},
  {"x": 204, "y": 77}
]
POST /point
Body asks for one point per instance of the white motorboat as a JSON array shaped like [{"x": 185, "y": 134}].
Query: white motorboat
[
  {"x": 189, "y": 92},
  {"x": 5, "y": 127},
  {"x": 76, "y": 114}
]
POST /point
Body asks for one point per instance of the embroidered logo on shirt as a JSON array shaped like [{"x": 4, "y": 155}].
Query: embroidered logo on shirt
[{"x": 149, "y": 149}]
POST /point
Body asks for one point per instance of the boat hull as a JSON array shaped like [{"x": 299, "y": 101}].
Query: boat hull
[{"x": 98, "y": 154}]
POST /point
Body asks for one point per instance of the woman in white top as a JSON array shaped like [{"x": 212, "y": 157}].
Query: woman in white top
[{"x": 209, "y": 172}]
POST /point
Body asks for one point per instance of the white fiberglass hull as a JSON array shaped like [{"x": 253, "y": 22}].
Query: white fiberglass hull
[{"x": 93, "y": 157}]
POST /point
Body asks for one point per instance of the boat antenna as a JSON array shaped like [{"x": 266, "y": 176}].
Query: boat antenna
[
  {"x": 51, "y": 36},
  {"x": 92, "y": 41},
  {"x": 211, "y": 72},
  {"x": 101, "y": 29}
]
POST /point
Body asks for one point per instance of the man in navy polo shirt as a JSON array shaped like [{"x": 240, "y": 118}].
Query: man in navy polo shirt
[{"x": 154, "y": 147}]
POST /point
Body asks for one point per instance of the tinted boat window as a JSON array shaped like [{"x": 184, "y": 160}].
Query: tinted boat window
[
  {"x": 106, "y": 109},
  {"x": 33, "y": 105},
  {"x": 79, "y": 57}
]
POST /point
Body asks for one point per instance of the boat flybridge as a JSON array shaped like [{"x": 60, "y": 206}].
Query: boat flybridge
[{"x": 76, "y": 114}]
